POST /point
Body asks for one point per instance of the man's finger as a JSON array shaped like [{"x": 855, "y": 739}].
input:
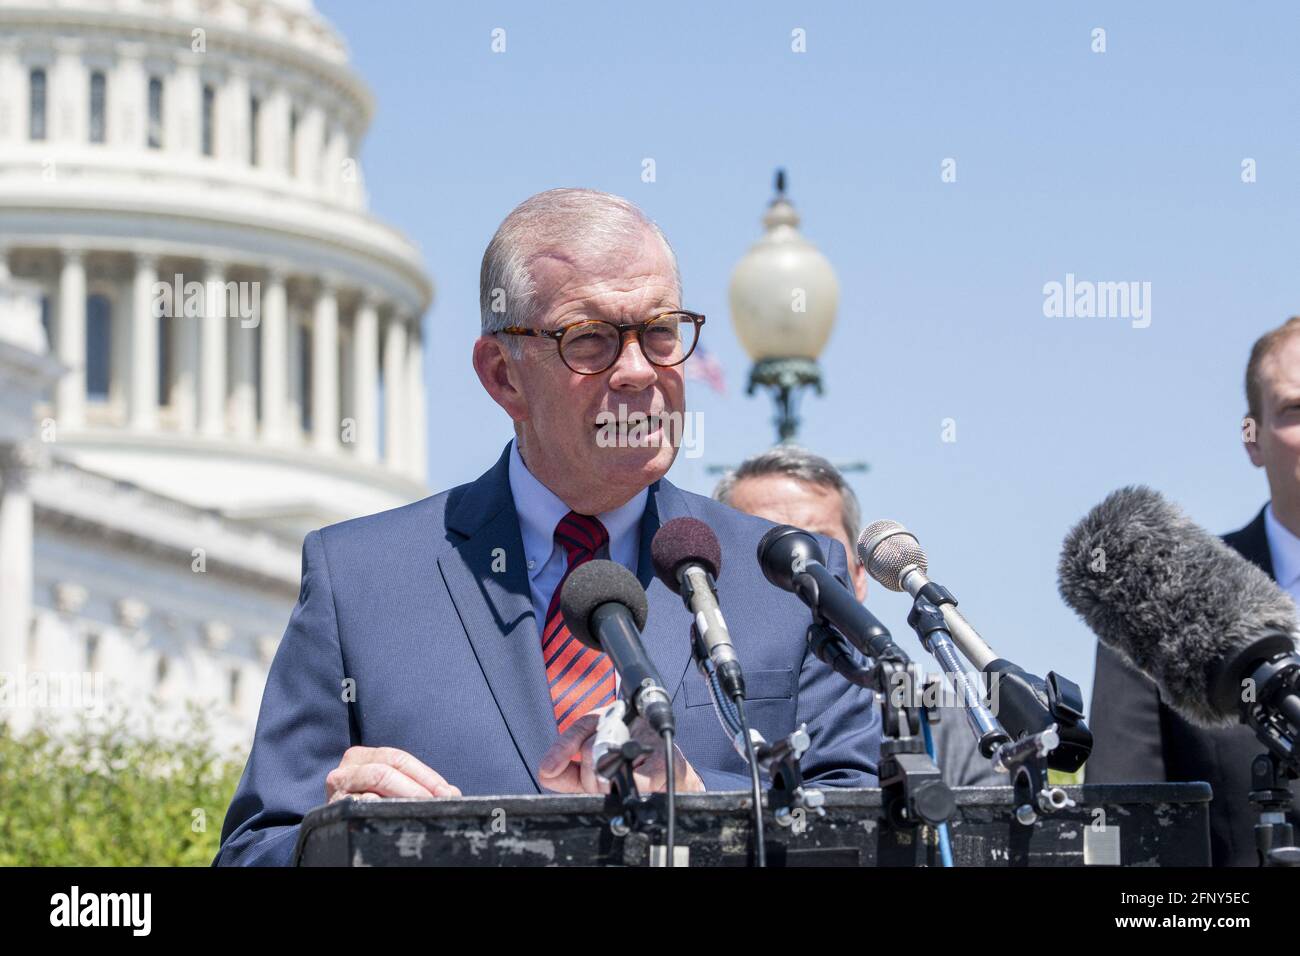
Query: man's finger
[
  {"x": 356, "y": 756},
  {"x": 380, "y": 778},
  {"x": 406, "y": 763},
  {"x": 344, "y": 795},
  {"x": 418, "y": 771},
  {"x": 587, "y": 768},
  {"x": 567, "y": 781},
  {"x": 569, "y": 743}
]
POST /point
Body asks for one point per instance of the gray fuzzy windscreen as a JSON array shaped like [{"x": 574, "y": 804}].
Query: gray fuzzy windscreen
[
  {"x": 595, "y": 583},
  {"x": 1168, "y": 596}
]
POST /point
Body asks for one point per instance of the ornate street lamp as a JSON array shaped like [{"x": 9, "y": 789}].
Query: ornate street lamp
[{"x": 783, "y": 300}]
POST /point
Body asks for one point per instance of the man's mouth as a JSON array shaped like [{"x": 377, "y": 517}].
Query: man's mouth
[
  {"x": 624, "y": 429},
  {"x": 648, "y": 421}
]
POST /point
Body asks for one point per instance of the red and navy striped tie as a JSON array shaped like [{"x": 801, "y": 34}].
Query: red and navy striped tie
[{"x": 581, "y": 680}]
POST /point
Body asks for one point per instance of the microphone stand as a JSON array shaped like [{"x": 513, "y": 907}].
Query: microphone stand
[
  {"x": 1028, "y": 703},
  {"x": 1026, "y": 759},
  {"x": 616, "y": 755},
  {"x": 913, "y": 789},
  {"x": 927, "y": 621},
  {"x": 1270, "y": 794},
  {"x": 1273, "y": 770}
]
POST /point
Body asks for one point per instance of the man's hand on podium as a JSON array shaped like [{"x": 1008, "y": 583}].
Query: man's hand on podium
[
  {"x": 568, "y": 766},
  {"x": 368, "y": 773}
]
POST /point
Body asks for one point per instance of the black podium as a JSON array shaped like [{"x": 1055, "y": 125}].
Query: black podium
[{"x": 1158, "y": 824}]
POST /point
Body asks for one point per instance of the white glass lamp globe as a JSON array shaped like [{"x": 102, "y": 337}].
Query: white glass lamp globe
[{"x": 784, "y": 293}]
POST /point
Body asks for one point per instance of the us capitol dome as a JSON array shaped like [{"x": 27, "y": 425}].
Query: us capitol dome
[{"x": 208, "y": 344}]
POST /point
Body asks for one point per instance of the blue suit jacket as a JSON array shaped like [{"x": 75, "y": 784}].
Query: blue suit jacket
[{"x": 445, "y": 656}]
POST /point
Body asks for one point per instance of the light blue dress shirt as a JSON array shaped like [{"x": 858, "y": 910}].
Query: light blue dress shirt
[{"x": 540, "y": 510}]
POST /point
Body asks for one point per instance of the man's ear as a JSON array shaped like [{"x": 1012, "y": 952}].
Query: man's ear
[
  {"x": 1252, "y": 447},
  {"x": 496, "y": 373},
  {"x": 859, "y": 580}
]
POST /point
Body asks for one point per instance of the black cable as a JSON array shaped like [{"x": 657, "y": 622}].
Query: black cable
[
  {"x": 672, "y": 796},
  {"x": 760, "y": 851}
]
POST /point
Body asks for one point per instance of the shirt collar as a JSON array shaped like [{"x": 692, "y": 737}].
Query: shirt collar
[
  {"x": 540, "y": 510},
  {"x": 1284, "y": 548}
]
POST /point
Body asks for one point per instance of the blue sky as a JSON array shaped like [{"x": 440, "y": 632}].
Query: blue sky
[{"x": 1115, "y": 166}]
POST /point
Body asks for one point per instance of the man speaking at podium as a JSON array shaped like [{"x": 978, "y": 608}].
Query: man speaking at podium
[{"x": 426, "y": 656}]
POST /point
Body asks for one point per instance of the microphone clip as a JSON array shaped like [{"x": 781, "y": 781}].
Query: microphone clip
[
  {"x": 936, "y": 594},
  {"x": 1026, "y": 760},
  {"x": 925, "y": 618},
  {"x": 689, "y": 583},
  {"x": 788, "y": 797},
  {"x": 616, "y": 755}
]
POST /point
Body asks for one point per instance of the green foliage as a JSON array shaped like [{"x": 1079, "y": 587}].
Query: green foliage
[{"x": 102, "y": 794}]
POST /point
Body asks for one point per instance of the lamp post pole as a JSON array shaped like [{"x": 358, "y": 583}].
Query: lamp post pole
[{"x": 786, "y": 378}]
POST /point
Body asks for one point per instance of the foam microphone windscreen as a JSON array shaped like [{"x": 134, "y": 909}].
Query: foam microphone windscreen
[
  {"x": 595, "y": 583},
  {"x": 1175, "y": 601},
  {"x": 681, "y": 540}
]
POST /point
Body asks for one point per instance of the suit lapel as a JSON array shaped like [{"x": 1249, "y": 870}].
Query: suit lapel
[
  {"x": 1252, "y": 543},
  {"x": 1257, "y": 548},
  {"x": 667, "y": 631},
  {"x": 488, "y": 582}
]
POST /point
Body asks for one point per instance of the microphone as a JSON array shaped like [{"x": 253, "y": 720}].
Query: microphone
[
  {"x": 687, "y": 558},
  {"x": 792, "y": 560},
  {"x": 893, "y": 557},
  {"x": 604, "y": 606},
  {"x": 1210, "y": 628},
  {"x": 1027, "y": 704}
]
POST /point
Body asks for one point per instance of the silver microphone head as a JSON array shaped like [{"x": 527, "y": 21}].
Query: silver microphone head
[{"x": 888, "y": 550}]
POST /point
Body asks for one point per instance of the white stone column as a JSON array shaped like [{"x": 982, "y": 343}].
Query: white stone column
[
  {"x": 396, "y": 430},
  {"x": 354, "y": 188},
  {"x": 142, "y": 399},
  {"x": 15, "y": 559},
  {"x": 128, "y": 99},
  {"x": 365, "y": 379},
  {"x": 212, "y": 354},
  {"x": 275, "y": 357},
  {"x": 183, "y": 106},
  {"x": 68, "y": 94},
  {"x": 185, "y": 361},
  {"x": 70, "y": 393},
  {"x": 336, "y": 153},
  {"x": 232, "y": 115},
  {"x": 311, "y": 144},
  {"x": 243, "y": 386},
  {"x": 325, "y": 369},
  {"x": 416, "y": 412},
  {"x": 13, "y": 96},
  {"x": 293, "y": 407},
  {"x": 275, "y": 131}
]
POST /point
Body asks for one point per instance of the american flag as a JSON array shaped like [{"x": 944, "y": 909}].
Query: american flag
[{"x": 703, "y": 366}]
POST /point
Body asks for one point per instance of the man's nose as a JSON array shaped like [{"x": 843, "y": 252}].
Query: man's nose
[{"x": 633, "y": 371}]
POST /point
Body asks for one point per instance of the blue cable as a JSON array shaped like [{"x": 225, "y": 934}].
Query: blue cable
[{"x": 945, "y": 845}]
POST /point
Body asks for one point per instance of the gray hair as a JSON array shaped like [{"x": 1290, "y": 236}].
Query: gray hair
[
  {"x": 791, "y": 461},
  {"x": 575, "y": 220}
]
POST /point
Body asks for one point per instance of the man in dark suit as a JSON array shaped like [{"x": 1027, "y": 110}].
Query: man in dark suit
[
  {"x": 1137, "y": 736},
  {"x": 426, "y": 656}
]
